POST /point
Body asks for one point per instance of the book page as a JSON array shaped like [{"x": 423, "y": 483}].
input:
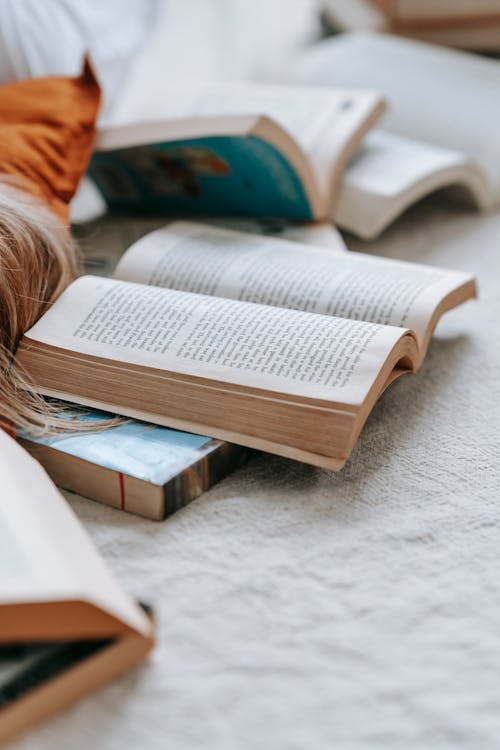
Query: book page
[
  {"x": 104, "y": 243},
  {"x": 275, "y": 272},
  {"x": 459, "y": 89},
  {"x": 322, "y": 121},
  {"x": 389, "y": 173},
  {"x": 290, "y": 352},
  {"x": 387, "y": 164},
  {"x": 45, "y": 555}
]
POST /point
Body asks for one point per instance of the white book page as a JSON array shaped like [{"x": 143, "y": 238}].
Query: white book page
[
  {"x": 436, "y": 95},
  {"x": 223, "y": 263},
  {"x": 388, "y": 164},
  {"x": 287, "y": 351},
  {"x": 318, "y": 234},
  {"x": 388, "y": 173},
  {"x": 321, "y": 120},
  {"x": 45, "y": 554}
]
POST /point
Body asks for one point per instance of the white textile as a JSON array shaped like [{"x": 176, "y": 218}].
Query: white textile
[
  {"x": 51, "y": 37},
  {"x": 299, "y": 608}
]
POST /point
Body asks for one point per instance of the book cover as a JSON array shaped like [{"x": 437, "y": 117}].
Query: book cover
[
  {"x": 136, "y": 466},
  {"x": 229, "y": 175}
]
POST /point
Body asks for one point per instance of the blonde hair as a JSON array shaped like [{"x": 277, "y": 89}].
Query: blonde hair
[{"x": 38, "y": 259}]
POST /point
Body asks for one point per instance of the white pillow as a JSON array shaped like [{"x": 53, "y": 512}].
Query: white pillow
[
  {"x": 207, "y": 40},
  {"x": 43, "y": 38}
]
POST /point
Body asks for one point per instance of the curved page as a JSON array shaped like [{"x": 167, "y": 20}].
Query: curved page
[
  {"x": 256, "y": 346},
  {"x": 45, "y": 554},
  {"x": 389, "y": 173},
  {"x": 285, "y": 274},
  {"x": 436, "y": 95}
]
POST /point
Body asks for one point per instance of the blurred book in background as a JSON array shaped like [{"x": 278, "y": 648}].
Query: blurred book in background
[
  {"x": 467, "y": 24},
  {"x": 440, "y": 129},
  {"x": 247, "y": 150}
]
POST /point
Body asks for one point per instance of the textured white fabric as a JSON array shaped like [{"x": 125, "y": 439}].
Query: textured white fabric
[{"x": 304, "y": 609}]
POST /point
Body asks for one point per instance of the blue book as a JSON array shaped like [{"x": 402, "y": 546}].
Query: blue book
[
  {"x": 136, "y": 466},
  {"x": 251, "y": 150}
]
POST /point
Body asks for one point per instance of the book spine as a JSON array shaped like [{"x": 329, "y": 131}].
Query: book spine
[
  {"x": 123, "y": 491},
  {"x": 220, "y": 460}
]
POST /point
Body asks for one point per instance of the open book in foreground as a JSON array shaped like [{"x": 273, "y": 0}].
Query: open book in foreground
[
  {"x": 222, "y": 149},
  {"x": 65, "y": 625},
  {"x": 440, "y": 130},
  {"x": 262, "y": 342}
]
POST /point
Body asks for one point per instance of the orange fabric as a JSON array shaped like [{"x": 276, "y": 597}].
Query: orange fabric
[{"x": 47, "y": 128}]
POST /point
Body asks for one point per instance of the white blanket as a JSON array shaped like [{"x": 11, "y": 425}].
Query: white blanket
[{"x": 304, "y": 609}]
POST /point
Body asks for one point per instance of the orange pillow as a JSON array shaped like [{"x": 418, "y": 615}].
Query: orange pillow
[{"x": 47, "y": 128}]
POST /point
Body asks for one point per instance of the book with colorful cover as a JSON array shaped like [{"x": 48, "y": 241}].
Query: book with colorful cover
[
  {"x": 220, "y": 149},
  {"x": 136, "y": 466}
]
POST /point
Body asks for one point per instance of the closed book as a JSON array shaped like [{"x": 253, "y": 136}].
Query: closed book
[{"x": 136, "y": 466}]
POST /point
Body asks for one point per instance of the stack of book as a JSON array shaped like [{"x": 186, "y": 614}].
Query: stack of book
[{"x": 258, "y": 341}]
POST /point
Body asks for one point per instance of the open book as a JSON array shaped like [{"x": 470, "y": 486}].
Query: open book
[
  {"x": 416, "y": 154},
  {"x": 262, "y": 342},
  {"x": 231, "y": 150},
  {"x": 65, "y": 625}
]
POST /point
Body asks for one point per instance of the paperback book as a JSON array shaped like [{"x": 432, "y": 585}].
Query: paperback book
[
  {"x": 413, "y": 154},
  {"x": 139, "y": 467},
  {"x": 257, "y": 341},
  {"x": 66, "y": 627},
  {"x": 221, "y": 149}
]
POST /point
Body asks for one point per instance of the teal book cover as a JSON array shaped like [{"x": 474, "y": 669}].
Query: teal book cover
[{"x": 215, "y": 175}]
